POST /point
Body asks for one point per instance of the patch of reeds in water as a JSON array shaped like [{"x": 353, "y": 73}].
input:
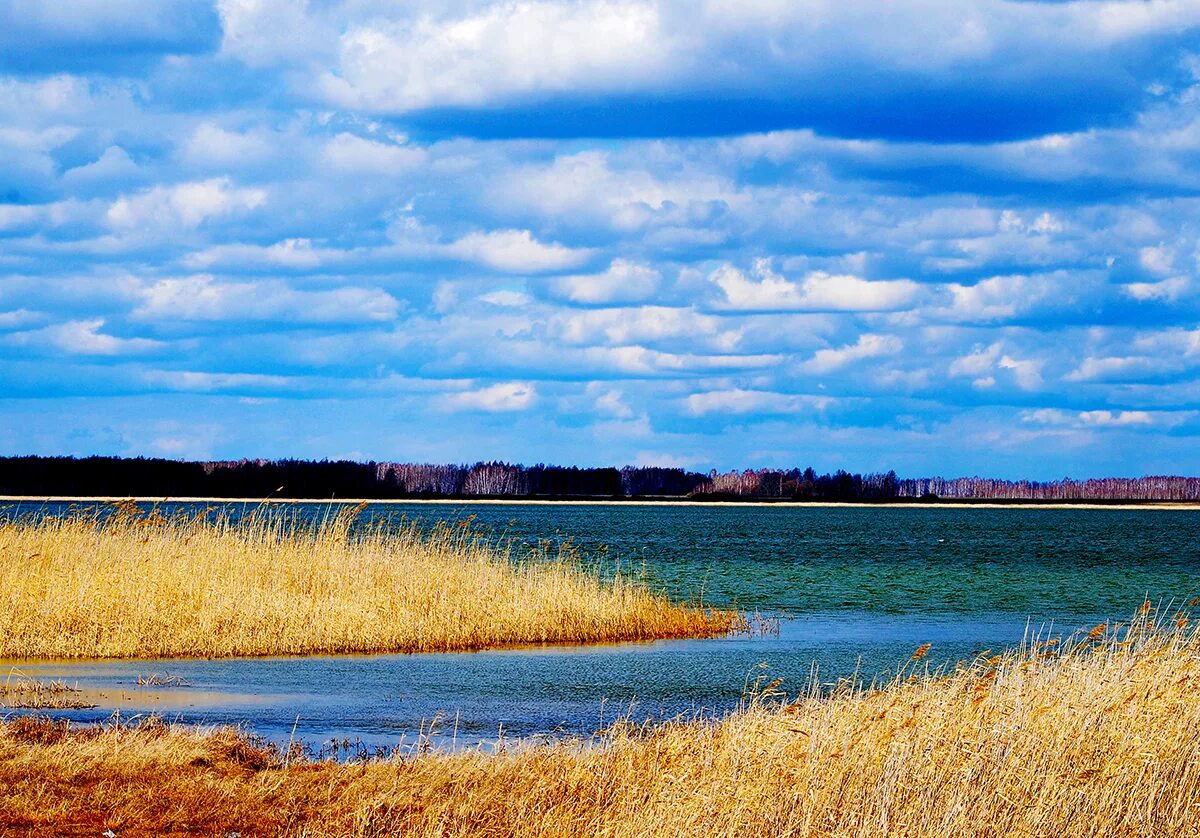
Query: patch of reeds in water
[
  {"x": 20, "y": 692},
  {"x": 139, "y": 586},
  {"x": 1094, "y": 737}
]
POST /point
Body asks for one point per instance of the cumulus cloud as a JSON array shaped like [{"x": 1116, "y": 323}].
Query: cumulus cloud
[
  {"x": 1166, "y": 290},
  {"x": 517, "y": 251},
  {"x": 984, "y": 364},
  {"x": 501, "y": 49},
  {"x": 623, "y": 282},
  {"x": 641, "y": 361},
  {"x": 212, "y": 145},
  {"x": 185, "y": 204},
  {"x": 1101, "y": 418},
  {"x": 289, "y": 253},
  {"x": 203, "y": 298},
  {"x": 867, "y": 346},
  {"x": 350, "y": 152},
  {"x": 250, "y": 32},
  {"x": 601, "y": 187},
  {"x": 417, "y": 57},
  {"x": 818, "y": 291},
  {"x": 660, "y": 212},
  {"x": 81, "y": 337},
  {"x": 1112, "y": 368},
  {"x": 609, "y": 401},
  {"x": 1027, "y": 372},
  {"x": 646, "y": 324},
  {"x": 504, "y": 397}
]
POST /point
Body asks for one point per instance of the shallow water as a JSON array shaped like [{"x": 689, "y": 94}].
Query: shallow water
[{"x": 858, "y": 589}]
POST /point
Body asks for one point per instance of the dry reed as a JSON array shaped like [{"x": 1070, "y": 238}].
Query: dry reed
[
  {"x": 142, "y": 587},
  {"x": 19, "y": 691},
  {"x": 1099, "y": 738}
]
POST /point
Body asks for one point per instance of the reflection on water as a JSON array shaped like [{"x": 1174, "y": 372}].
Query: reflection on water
[
  {"x": 387, "y": 699},
  {"x": 861, "y": 588}
]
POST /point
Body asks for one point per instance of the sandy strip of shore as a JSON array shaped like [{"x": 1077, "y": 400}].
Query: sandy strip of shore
[{"x": 945, "y": 504}]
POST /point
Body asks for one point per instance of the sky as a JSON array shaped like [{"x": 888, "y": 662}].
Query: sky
[{"x": 923, "y": 235}]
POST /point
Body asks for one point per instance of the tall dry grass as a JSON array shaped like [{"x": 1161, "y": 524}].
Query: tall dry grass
[
  {"x": 140, "y": 586},
  {"x": 1097, "y": 739}
]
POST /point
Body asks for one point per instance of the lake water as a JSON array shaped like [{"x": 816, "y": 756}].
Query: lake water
[{"x": 855, "y": 589}]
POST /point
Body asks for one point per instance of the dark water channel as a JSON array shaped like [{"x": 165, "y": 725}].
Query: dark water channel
[{"x": 855, "y": 589}]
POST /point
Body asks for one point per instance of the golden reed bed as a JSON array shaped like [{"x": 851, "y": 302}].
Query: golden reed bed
[
  {"x": 1098, "y": 739},
  {"x": 138, "y": 586}
]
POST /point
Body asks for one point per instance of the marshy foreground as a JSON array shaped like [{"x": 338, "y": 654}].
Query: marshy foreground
[
  {"x": 1095, "y": 736},
  {"x": 135, "y": 585}
]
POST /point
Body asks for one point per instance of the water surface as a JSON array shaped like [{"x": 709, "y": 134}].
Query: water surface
[{"x": 858, "y": 589}]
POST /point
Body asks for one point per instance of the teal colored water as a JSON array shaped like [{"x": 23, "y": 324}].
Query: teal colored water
[{"x": 857, "y": 588}]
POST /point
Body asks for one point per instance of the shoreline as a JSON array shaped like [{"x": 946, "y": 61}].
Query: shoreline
[{"x": 961, "y": 503}]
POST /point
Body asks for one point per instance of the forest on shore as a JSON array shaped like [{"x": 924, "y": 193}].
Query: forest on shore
[{"x": 33, "y": 476}]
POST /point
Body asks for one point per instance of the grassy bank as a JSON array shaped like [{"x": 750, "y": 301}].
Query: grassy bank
[
  {"x": 139, "y": 586},
  {"x": 1099, "y": 738}
]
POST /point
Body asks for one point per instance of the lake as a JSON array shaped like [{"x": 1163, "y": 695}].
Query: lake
[{"x": 854, "y": 588}]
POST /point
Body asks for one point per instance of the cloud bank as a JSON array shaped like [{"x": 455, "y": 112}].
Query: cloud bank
[{"x": 923, "y": 236}]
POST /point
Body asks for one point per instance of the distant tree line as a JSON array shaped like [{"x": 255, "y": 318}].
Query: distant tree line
[
  {"x": 1103, "y": 488},
  {"x": 142, "y": 477}
]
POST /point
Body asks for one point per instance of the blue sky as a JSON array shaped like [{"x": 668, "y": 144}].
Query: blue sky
[{"x": 930, "y": 236}]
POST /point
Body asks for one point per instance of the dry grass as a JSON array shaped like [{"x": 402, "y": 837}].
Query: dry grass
[
  {"x": 138, "y": 586},
  {"x": 19, "y": 691},
  {"x": 1099, "y": 739}
]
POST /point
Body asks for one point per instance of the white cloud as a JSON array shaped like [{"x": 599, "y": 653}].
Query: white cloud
[
  {"x": 1166, "y": 290},
  {"x": 982, "y": 363},
  {"x": 1114, "y": 368},
  {"x": 1047, "y": 416},
  {"x": 1026, "y": 372},
  {"x": 640, "y": 360},
  {"x": 82, "y": 337},
  {"x": 609, "y": 402},
  {"x": 818, "y": 291},
  {"x": 350, "y": 152},
  {"x": 289, "y": 253},
  {"x": 252, "y": 33},
  {"x": 978, "y": 362},
  {"x": 202, "y": 298},
  {"x": 623, "y": 282},
  {"x": 620, "y": 326},
  {"x": 1101, "y": 418},
  {"x": 1159, "y": 259},
  {"x": 506, "y": 298},
  {"x": 588, "y": 186},
  {"x": 513, "y": 47},
  {"x": 402, "y": 57},
  {"x": 867, "y": 346},
  {"x": 516, "y": 251},
  {"x": 498, "y": 398},
  {"x": 996, "y": 298},
  {"x": 1109, "y": 418},
  {"x": 15, "y": 216},
  {"x": 211, "y": 145},
  {"x": 185, "y": 204},
  {"x": 17, "y": 318}
]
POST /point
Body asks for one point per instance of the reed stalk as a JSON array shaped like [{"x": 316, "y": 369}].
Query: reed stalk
[
  {"x": 139, "y": 586},
  {"x": 1093, "y": 737}
]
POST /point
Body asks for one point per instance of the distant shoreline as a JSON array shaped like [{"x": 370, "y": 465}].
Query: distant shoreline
[{"x": 963, "y": 503}]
